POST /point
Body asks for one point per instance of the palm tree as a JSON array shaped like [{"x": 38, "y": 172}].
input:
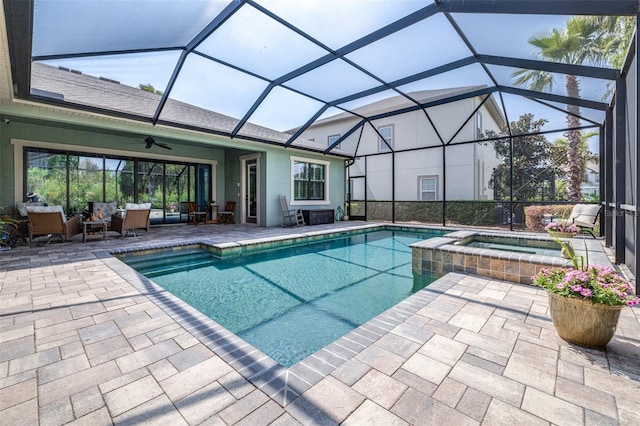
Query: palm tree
[
  {"x": 560, "y": 147},
  {"x": 583, "y": 40}
]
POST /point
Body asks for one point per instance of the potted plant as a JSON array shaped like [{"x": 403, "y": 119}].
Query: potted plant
[
  {"x": 585, "y": 300},
  {"x": 8, "y": 228},
  {"x": 562, "y": 229}
]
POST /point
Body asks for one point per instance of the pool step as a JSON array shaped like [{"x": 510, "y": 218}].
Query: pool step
[{"x": 170, "y": 263}]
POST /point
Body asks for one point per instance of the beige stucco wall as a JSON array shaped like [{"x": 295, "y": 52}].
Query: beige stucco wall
[{"x": 468, "y": 166}]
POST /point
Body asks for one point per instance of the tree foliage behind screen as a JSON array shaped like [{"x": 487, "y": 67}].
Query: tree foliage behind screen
[{"x": 534, "y": 168}]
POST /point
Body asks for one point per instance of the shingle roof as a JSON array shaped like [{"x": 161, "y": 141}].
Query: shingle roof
[{"x": 75, "y": 87}]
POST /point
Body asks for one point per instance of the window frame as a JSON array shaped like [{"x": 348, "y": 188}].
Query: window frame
[
  {"x": 337, "y": 137},
  {"x": 326, "y": 199},
  {"x": 421, "y": 191},
  {"x": 382, "y": 146},
  {"x": 21, "y": 146}
]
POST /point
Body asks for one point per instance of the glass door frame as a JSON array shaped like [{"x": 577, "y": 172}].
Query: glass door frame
[{"x": 247, "y": 161}]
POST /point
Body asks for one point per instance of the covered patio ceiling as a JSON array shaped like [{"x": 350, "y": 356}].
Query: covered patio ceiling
[{"x": 269, "y": 69}]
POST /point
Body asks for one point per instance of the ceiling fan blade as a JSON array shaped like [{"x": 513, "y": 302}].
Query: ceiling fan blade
[{"x": 162, "y": 145}]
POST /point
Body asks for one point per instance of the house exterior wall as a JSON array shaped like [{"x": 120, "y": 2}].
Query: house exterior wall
[
  {"x": 17, "y": 134},
  {"x": 275, "y": 163},
  {"x": 279, "y": 178},
  {"x": 468, "y": 166}
]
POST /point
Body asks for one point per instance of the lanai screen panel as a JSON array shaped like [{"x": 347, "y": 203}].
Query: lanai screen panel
[
  {"x": 421, "y": 46},
  {"x": 592, "y": 89},
  {"x": 269, "y": 69},
  {"x": 506, "y": 35},
  {"x": 85, "y": 27}
]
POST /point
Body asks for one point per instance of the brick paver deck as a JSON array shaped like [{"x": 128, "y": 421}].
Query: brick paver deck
[{"x": 86, "y": 340}]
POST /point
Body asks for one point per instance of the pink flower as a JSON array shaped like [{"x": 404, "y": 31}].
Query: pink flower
[
  {"x": 586, "y": 292},
  {"x": 599, "y": 284}
]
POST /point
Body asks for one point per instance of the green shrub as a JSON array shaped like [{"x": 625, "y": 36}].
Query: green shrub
[
  {"x": 419, "y": 211},
  {"x": 476, "y": 213},
  {"x": 534, "y": 215}
]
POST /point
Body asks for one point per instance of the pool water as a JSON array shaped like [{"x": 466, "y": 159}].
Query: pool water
[
  {"x": 543, "y": 251},
  {"x": 291, "y": 302}
]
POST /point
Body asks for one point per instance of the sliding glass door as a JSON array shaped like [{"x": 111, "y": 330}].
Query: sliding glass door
[{"x": 73, "y": 180}]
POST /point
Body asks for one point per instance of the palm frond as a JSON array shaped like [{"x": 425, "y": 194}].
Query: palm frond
[{"x": 533, "y": 79}]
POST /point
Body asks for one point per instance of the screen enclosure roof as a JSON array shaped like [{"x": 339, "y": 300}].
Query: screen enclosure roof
[{"x": 267, "y": 70}]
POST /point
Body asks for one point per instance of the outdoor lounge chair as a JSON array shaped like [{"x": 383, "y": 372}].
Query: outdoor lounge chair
[
  {"x": 290, "y": 217},
  {"x": 226, "y": 216},
  {"x": 51, "y": 221},
  {"x": 196, "y": 216},
  {"x": 585, "y": 217},
  {"x": 135, "y": 216}
]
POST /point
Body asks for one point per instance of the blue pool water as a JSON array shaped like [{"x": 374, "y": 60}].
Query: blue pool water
[
  {"x": 543, "y": 251},
  {"x": 291, "y": 302}
]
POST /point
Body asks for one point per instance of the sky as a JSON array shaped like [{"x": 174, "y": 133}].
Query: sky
[{"x": 254, "y": 42}]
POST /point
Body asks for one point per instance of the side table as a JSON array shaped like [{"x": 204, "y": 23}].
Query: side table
[
  {"x": 212, "y": 211},
  {"x": 100, "y": 225}
]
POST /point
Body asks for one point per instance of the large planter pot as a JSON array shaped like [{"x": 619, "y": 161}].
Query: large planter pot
[{"x": 582, "y": 322}]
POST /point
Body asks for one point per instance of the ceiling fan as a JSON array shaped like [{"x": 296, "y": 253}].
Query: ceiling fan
[{"x": 149, "y": 142}]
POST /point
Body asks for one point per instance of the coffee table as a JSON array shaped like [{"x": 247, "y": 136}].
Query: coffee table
[{"x": 94, "y": 227}]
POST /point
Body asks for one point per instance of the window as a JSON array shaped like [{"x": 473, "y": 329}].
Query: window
[
  {"x": 310, "y": 181},
  {"x": 479, "y": 125},
  {"x": 332, "y": 139},
  {"x": 428, "y": 188},
  {"x": 386, "y": 142}
]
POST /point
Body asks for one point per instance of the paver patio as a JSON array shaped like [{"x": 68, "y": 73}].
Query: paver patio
[{"x": 86, "y": 340}]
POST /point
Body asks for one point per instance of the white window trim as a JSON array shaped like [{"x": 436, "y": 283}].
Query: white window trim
[
  {"x": 326, "y": 200},
  {"x": 437, "y": 179},
  {"x": 382, "y": 146},
  {"x": 330, "y": 143}
]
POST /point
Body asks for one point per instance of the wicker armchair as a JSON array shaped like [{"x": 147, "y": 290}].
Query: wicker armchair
[
  {"x": 51, "y": 221},
  {"x": 136, "y": 216}
]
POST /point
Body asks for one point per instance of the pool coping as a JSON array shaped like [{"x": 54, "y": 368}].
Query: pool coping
[{"x": 280, "y": 383}]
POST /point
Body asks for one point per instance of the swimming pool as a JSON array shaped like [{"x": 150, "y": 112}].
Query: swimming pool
[{"x": 293, "y": 301}]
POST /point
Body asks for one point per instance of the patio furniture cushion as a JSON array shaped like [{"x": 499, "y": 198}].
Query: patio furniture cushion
[
  {"x": 22, "y": 207},
  {"x": 46, "y": 209},
  {"x": 585, "y": 215},
  {"x": 107, "y": 209},
  {"x": 137, "y": 206}
]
